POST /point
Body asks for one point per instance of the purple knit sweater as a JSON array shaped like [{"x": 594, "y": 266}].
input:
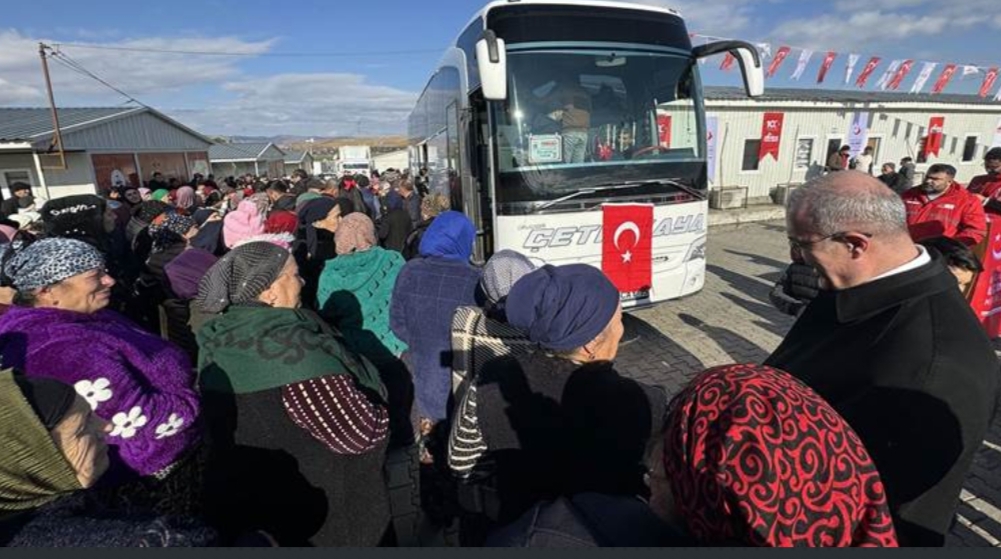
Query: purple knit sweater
[{"x": 142, "y": 384}]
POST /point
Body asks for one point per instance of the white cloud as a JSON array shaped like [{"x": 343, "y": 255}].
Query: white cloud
[
  {"x": 138, "y": 73},
  {"x": 864, "y": 29},
  {"x": 305, "y": 104}
]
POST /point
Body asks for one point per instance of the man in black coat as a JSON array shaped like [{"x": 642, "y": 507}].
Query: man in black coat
[
  {"x": 892, "y": 345},
  {"x": 891, "y": 178}
]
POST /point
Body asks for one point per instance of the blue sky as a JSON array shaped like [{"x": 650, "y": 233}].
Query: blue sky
[{"x": 265, "y": 93}]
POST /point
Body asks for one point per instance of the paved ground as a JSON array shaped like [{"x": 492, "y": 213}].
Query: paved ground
[{"x": 732, "y": 321}]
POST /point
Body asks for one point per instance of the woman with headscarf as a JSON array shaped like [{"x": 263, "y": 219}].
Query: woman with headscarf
[
  {"x": 283, "y": 394},
  {"x": 395, "y": 226},
  {"x": 751, "y": 456},
  {"x": 431, "y": 207},
  {"x": 480, "y": 335},
  {"x": 427, "y": 292},
  {"x": 245, "y": 222},
  {"x": 171, "y": 233},
  {"x": 53, "y": 449},
  {"x": 160, "y": 195},
  {"x": 318, "y": 221},
  {"x": 560, "y": 420},
  {"x": 60, "y": 328},
  {"x": 20, "y": 199},
  {"x": 354, "y": 295},
  {"x": 185, "y": 200}
]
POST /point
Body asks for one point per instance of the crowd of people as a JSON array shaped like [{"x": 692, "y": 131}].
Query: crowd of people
[{"x": 231, "y": 363}]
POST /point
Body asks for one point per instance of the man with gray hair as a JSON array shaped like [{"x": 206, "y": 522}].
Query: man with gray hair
[{"x": 890, "y": 342}]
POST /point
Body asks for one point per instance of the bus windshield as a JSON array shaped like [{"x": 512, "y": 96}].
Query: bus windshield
[{"x": 594, "y": 117}]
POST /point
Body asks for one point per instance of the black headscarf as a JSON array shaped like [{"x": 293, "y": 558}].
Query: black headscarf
[
  {"x": 77, "y": 217},
  {"x": 317, "y": 240}
]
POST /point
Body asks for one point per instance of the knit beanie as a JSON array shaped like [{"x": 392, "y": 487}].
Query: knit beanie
[
  {"x": 80, "y": 216},
  {"x": 355, "y": 233},
  {"x": 243, "y": 223},
  {"x": 241, "y": 276},
  {"x": 502, "y": 271},
  {"x": 169, "y": 229}
]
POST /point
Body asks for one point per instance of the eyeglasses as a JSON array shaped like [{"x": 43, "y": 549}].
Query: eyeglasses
[{"x": 800, "y": 244}]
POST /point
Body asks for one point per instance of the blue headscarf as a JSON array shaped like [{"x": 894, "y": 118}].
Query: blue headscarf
[
  {"x": 449, "y": 236},
  {"x": 562, "y": 308}
]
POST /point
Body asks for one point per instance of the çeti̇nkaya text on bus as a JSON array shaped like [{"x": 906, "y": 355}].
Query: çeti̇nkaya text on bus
[{"x": 574, "y": 132}]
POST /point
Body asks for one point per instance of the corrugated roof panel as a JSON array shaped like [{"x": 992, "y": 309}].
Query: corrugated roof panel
[
  {"x": 230, "y": 152},
  {"x": 24, "y": 124}
]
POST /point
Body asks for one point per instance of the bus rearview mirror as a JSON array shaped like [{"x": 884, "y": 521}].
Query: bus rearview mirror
[
  {"x": 748, "y": 57},
  {"x": 491, "y": 60}
]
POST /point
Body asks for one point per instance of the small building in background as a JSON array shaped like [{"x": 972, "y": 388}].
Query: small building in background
[
  {"x": 398, "y": 160},
  {"x": 103, "y": 148},
  {"x": 953, "y": 129},
  {"x": 258, "y": 159},
  {"x": 298, "y": 160}
]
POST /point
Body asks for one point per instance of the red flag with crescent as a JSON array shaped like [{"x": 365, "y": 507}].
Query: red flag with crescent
[
  {"x": 780, "y": 57},
  {"x": 627, "y": 246},
  {"x": 902, "y": 72},
  {"x": 943, "y": 80},
  {"x": 870, "y": 67},
  {"x": 989, "y": 79},
  {"x": 826, "y": 66}
]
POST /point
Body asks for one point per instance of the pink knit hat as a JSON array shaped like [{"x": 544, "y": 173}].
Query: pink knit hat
[{"x": 241, "y": 224}]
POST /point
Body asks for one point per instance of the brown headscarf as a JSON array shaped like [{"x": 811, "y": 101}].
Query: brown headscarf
[{"x": 355, "y": 233}]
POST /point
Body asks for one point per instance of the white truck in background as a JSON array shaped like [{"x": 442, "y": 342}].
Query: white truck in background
[{"x": 354, "y": 160}]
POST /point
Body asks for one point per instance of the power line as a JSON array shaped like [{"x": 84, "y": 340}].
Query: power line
[
  {"x": 68, "y": 62},
  {"x": 248, "y": 54}
]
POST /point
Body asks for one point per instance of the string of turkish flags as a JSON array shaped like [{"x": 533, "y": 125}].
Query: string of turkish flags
[{"x": 892, "y": 78}]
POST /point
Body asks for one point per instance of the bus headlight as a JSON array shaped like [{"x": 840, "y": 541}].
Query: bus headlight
[{"x": 697, "y": 251}]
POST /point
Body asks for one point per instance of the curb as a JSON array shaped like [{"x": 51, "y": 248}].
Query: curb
[{"x": 724, "y": 218}]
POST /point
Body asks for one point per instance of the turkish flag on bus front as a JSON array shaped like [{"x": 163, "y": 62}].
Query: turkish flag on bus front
[{"x": 627, "y": 246}]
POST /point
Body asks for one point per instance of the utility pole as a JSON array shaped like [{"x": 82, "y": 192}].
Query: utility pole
[{"x": 57, "y": 137}]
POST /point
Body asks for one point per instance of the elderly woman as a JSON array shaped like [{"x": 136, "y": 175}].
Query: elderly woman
[
  {"x": 560, "y": 420},
  {"x": 427, "y": 292},
  {"x": 318, "y": 221},
  {"x": 59, "y": 328},
  {"x": 52, "y": 448},
  {"x": 297, "y": 422},
  {"x": 751, "y": 456}
]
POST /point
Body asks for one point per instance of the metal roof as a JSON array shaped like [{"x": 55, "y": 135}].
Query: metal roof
[
  {"x": 237, "y": 152},
  {"x": 26, "y": 124},
  {"x": 795, "y": 95},
  {"x": 294, "y": 156}
]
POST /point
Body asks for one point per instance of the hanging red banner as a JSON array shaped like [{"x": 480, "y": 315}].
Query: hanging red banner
[
  {"x": 933, "y": 144},
  {"x": 902, "y": 72},
  {"x": 771, "y": 135},
  {"x": 989, "y": 79},
  {"x": 780, "y": 57},
  {"x": 728, "y": 61},
  {"x": 870, "y": 67},
  {"x": 943, "y": 80},
  {"x": 828, "y": 62}
]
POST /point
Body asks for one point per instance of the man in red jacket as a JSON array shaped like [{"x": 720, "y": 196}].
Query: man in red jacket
[
  {"x": 987, "y": 187},
  {"x": 941, "y": 207}
]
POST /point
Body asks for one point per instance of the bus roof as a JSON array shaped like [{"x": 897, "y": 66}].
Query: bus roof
[{"x": 482, "y": 14}]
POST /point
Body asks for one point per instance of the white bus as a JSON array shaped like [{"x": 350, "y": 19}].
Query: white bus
[{"x": 574, "y": 131}]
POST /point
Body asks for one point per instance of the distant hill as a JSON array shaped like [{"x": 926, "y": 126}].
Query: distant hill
[{"x": 321, "y": 146}]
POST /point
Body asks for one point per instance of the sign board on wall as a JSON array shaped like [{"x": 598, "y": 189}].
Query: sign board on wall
[
  {"x": 114, "y": 169},
  {"x": 198, "y": 163},
  {"x": 712, "y": 145},
  {"x": 771, "y": 135}
]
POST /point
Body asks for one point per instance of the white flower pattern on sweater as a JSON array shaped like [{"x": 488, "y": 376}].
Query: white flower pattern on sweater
[
  {"x": 95, "y": 392},
  {"x": 128, "y": 424},
  {"x": 170, "y": 428}
]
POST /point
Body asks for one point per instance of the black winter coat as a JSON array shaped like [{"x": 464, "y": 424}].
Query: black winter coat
[{"x": 905, "y": 361}]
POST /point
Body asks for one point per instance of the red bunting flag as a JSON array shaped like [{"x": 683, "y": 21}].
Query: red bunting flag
[
  {"x": 728, "y": 61},
  {"x": 902, "y": 72},
  {"x": 828, "y": 62},
  {"x": 943, "y": 80},
  {"x": 627, "y": 246},
  {"x": 870, "y": 67},
  {"x": 989, "y": 79},
  {"x": 780, "y": 57},
  {"x": 771, "y": 135}
]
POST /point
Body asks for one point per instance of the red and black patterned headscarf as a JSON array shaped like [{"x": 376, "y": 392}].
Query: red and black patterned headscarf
[{"x": 755, "y": 457}]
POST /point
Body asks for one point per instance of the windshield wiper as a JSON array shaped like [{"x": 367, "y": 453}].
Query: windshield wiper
[{"x": 619, "y": 186}]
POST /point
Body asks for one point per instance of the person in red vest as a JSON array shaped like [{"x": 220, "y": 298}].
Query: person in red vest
[
  {"x": 987, "y": 187},
  {"x": 941, "y": 207}
]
